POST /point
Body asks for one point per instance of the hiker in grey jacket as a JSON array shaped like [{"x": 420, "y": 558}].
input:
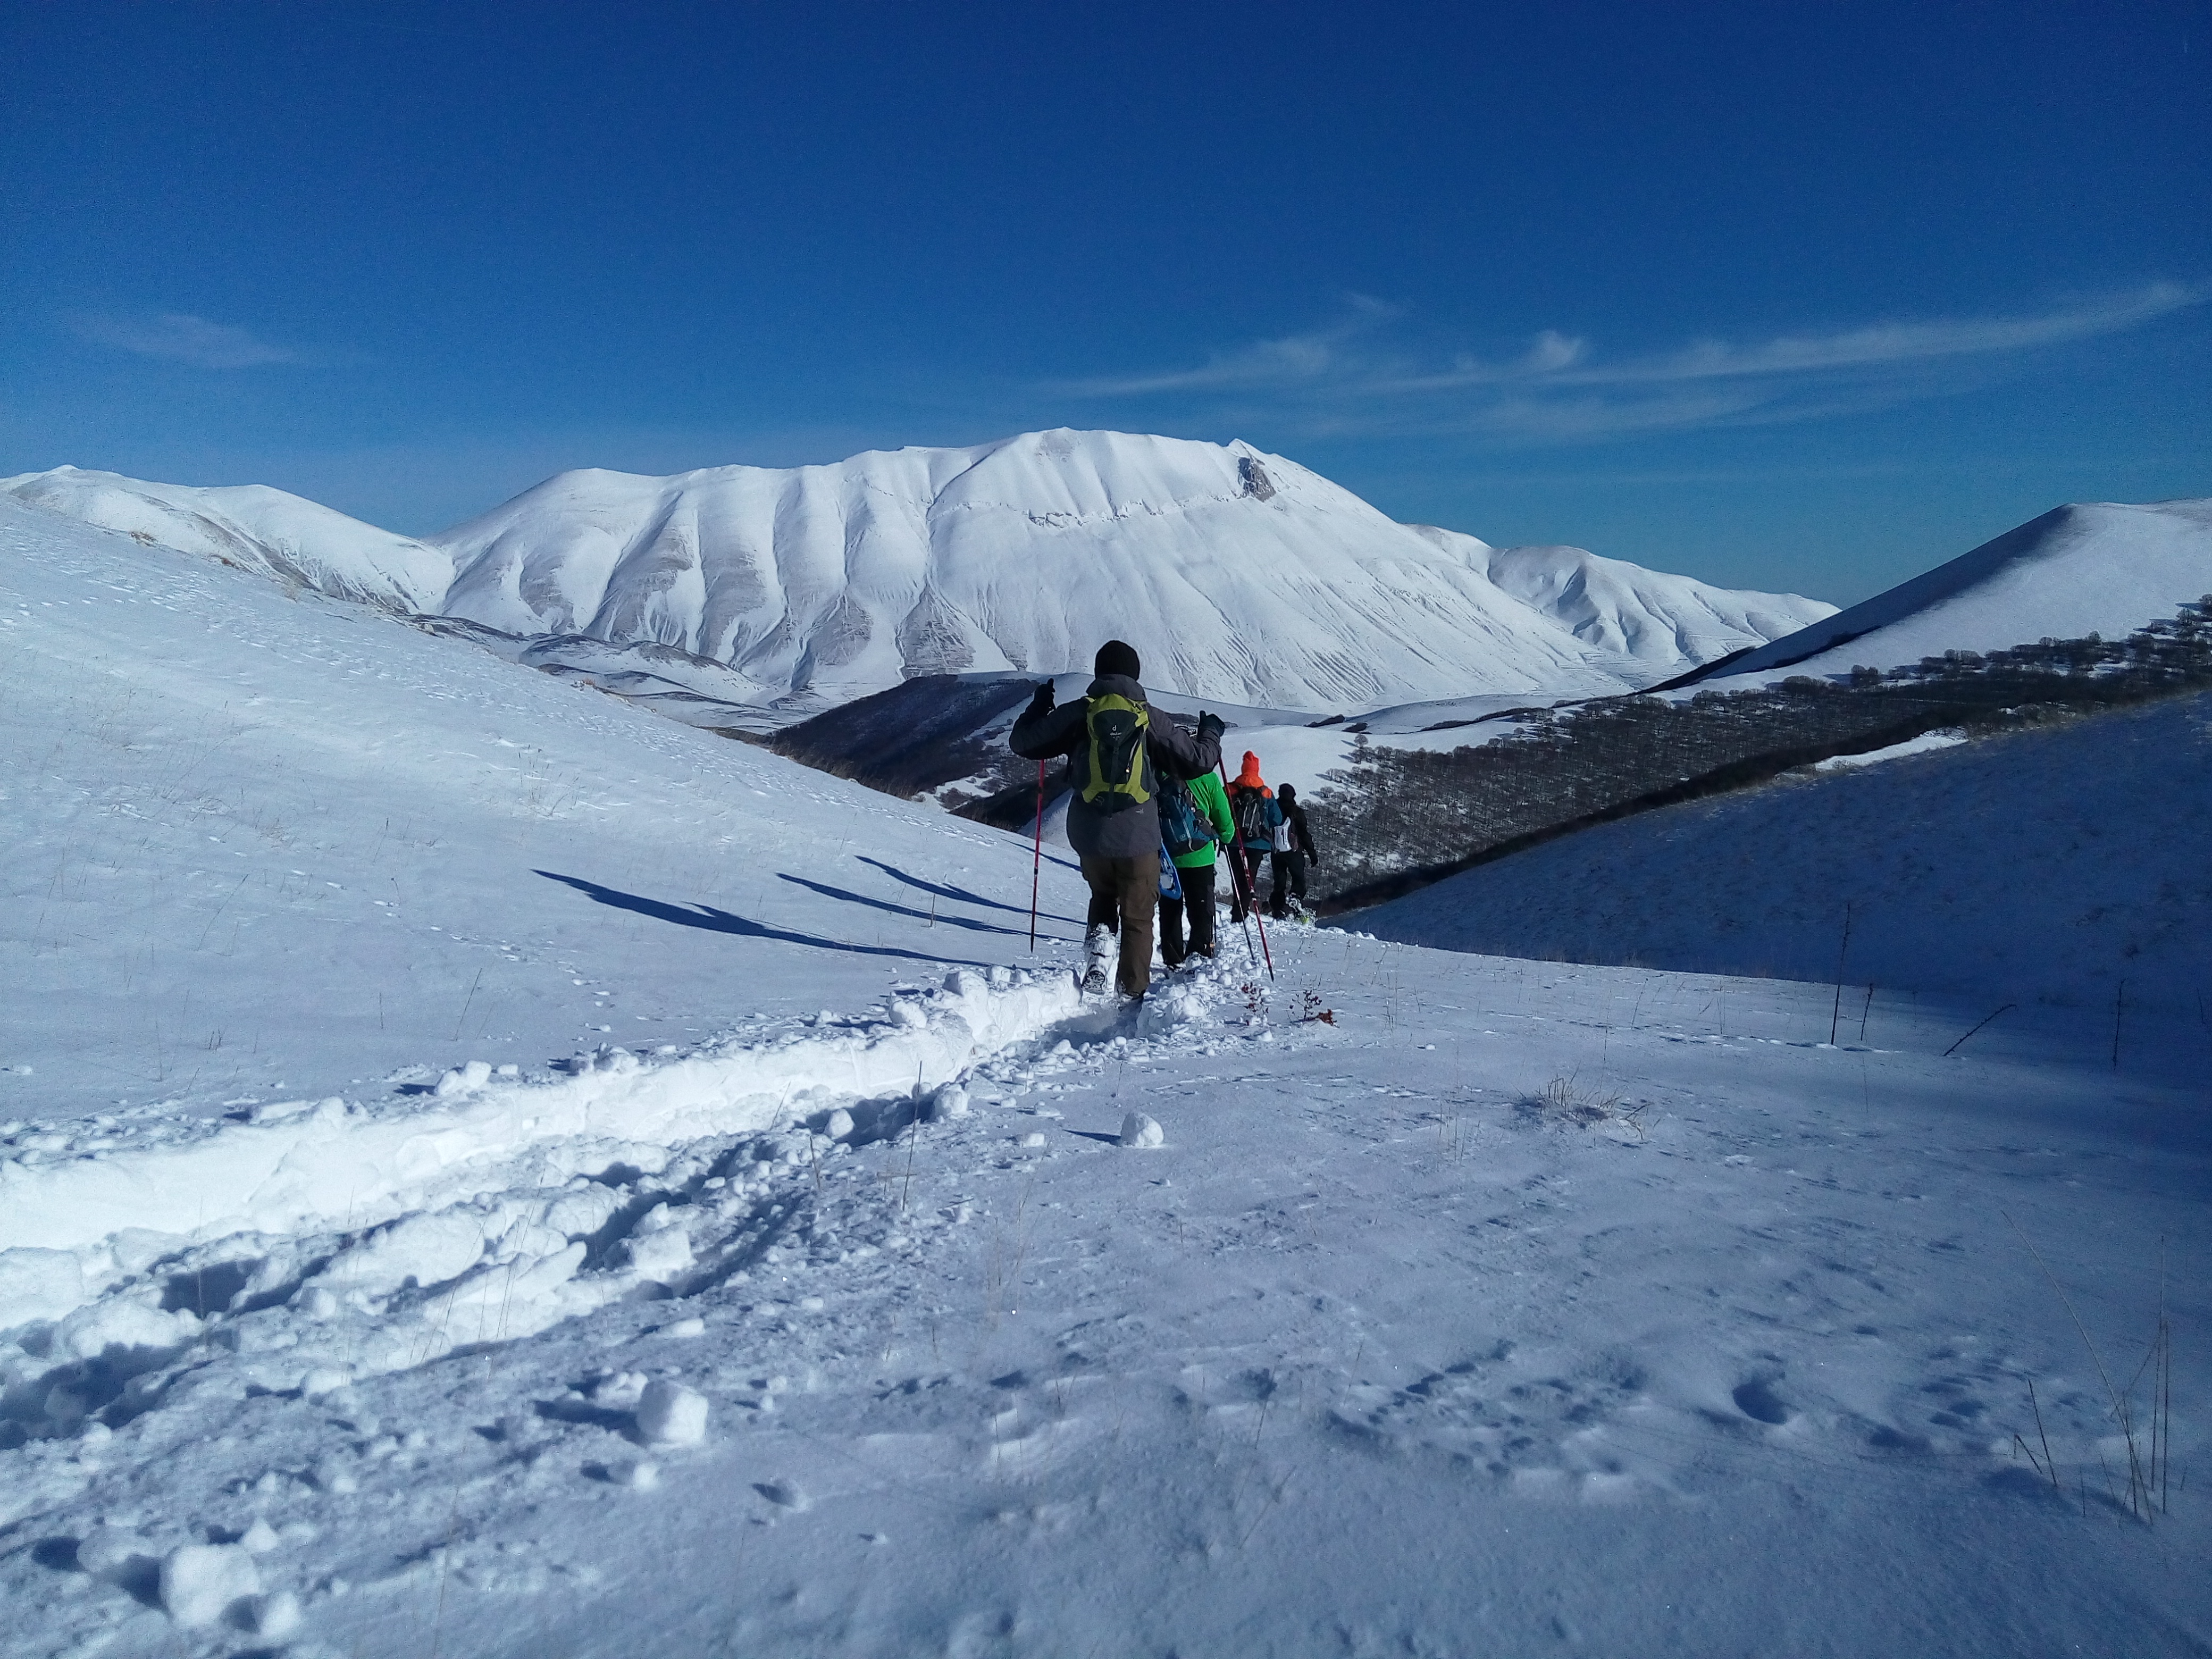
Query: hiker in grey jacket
[{"x": 1113, "y": 815}]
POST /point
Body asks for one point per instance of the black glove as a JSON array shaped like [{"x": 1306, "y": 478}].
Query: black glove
[
  {"x": 1042, "y": 703},
  {"x": 1210, "y": 725}
]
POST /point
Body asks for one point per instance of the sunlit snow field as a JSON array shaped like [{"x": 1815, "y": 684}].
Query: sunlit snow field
[{"x": 1514, "y": 1307}]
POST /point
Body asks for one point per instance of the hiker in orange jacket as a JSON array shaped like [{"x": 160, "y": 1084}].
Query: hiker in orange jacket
[{"x": 1252, "y": 805}]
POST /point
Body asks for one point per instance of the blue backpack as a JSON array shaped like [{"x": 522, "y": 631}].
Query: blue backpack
[{"x": 1182, "y": 826}]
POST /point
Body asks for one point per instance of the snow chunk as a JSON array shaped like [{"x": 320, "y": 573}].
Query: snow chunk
[
  {"x": 111, "y": 1552},
  {"x": 670, "y": 1414},
  {"x": 201, "y": 1582},
  {"x": 125, "y": 1324},
  {"x": 429, "y": 1249},
  {"x": 463, "y": 1078},
  {"x": 620, "y": 1391},
  {"x": 277, "y": 1614},
  {"x": 324, "y": 1379},
  {"x": 40, "y": 1284},
  {"x": 1138, "y": 1130}
]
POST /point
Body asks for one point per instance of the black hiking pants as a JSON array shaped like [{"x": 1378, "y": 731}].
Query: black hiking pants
[
  {"x": 1198, "y": 900},
  {"x": 1244, "y": 879},
  {"x": 1290, "y": 879}
]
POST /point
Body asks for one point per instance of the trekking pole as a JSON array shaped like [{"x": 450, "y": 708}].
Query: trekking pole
[
  {"x": 1037, "y": 858},
  {"x": 1248, "y": 890},
  {"x": 1236, "y": 888},
  {"x": 1252, "y": 903}
]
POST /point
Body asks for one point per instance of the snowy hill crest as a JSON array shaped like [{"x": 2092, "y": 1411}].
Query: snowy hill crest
[{"x": 2102, "y": 568}]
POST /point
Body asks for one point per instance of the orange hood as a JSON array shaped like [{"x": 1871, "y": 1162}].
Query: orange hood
[{"x": 1250, "y": 777}]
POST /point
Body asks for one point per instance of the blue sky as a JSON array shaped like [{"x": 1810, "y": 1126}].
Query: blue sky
[{"x": 1808, "y": 297}]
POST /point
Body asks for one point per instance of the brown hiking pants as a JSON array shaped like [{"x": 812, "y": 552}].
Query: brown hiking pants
[{"x": 1124, "y": 895}]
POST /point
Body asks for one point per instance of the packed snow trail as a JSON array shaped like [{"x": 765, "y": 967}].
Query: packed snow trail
[{"x": 292, "y": 1165}]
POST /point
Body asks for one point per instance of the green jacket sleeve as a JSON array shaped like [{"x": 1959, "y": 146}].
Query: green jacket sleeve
[{"x": 1206, "y": 789}]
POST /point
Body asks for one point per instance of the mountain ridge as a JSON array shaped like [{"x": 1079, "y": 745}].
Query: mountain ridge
[
  {"x": 2096, "y": 566},
  {"x": 1240, "y": 575}
]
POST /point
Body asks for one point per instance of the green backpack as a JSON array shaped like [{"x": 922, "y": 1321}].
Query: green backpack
[{"x": 1119, "y": 776}]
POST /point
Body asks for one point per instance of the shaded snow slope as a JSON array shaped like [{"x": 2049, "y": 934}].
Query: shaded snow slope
[
  {"x": 262, "y": 529},
  {"x": 2043, "y": 865},
  {"x": 2102, "y": 569}
]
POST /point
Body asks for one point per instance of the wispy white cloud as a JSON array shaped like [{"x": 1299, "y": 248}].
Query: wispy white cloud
[
  {"x": 1889, "y": 344},
  {"x": 1345, "y": 377},
  {"x": 179, "y": 337},
  {"x": 1310, "y": 358}
]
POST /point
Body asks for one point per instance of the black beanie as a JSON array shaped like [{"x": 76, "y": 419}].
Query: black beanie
[
  {"x": 1114, "y": 657},
  {"x": 1286, "y": 792}
]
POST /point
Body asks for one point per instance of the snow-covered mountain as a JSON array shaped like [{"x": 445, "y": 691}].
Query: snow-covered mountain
[
  {"x": 1239, "y": 576},
  {"x": 279, "y": 535},
  {"x": 1657, "y": 618},
  {"x": 2103, "y": 569},
  {"x": 1242, "y": 577}
]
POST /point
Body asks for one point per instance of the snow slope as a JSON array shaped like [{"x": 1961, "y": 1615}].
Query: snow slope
[
  {"x": 293, "y": 800},
  {"x": 1661, "y": 620},
  {"x": 2102, "y": 569},
  {"x": 261, "y": 529},
  {"x": 2038, "y": 866},
  {"x": 794, "y": 1293}
]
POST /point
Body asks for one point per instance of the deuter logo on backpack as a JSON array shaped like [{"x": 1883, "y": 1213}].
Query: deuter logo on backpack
[{"x": 1119, "y": 776}]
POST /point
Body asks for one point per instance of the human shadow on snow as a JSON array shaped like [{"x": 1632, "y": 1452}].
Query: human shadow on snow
[
  {"x": 934, "y": 919},
  {"x": 945, "y": 890},
  {"x": 723, "y": 921}
]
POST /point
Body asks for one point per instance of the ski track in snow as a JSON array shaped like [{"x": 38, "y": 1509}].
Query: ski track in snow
[{"x": 1515, "y": 1308}]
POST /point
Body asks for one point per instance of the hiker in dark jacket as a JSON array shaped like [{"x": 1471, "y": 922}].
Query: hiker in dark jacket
[
  {"x": 1113, "y": 817},
  {"x": 1290, "y": 862}
]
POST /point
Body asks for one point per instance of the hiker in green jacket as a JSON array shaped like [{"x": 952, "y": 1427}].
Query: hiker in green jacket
[{"x": 1209, "y": 805}]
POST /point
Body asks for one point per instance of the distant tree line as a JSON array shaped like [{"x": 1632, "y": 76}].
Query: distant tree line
[{"x": 1394, "y": 819}]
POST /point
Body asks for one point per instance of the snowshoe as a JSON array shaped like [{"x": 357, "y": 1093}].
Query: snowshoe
[{"x": 1099, "y": 949}]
